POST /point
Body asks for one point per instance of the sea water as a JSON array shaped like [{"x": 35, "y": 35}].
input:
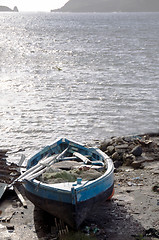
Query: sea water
[{"x": 85, "y": 76}]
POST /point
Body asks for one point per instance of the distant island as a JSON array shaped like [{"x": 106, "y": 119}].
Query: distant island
[
  {"x": 110, "y": 6},
  {"x": 7, "y": 9}
]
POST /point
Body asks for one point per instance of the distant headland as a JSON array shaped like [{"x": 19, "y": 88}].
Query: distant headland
[
  {"x": 110, "y": 6},
  {"x": 7, "y": 9}
]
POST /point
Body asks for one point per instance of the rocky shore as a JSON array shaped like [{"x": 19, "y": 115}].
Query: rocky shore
[
  {"x": 132, "y": 151},
  {"x": 132, "y": 213}
]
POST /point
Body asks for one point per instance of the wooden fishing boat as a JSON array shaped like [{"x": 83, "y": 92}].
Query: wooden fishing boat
[{"x": 70, "y": 201}]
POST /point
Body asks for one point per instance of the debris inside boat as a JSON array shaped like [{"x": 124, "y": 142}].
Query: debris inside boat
[{"x": 70, "y": 171}]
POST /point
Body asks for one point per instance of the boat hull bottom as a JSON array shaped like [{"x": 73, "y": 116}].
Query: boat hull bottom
[{"x": 73, "y": 215}]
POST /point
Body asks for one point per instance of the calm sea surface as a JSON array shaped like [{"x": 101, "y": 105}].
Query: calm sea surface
[{"x": 83, "y": 76}]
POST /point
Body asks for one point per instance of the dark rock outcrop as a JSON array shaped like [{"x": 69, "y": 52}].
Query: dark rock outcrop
[
  {"x": 110, "y": 6},
  {"x": 7, "y": 9},
  {"x": 15, "y": 9}
]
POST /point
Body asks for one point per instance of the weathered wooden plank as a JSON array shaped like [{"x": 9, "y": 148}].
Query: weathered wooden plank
[
  {"x": 20, "y": 197},
  {"x": 82, "y": 157}
]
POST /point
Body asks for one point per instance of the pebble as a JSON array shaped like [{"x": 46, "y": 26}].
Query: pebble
[{"x": 10, "y": 227}]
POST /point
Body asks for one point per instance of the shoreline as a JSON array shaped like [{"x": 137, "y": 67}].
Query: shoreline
[{"x": 132, "y": 213}]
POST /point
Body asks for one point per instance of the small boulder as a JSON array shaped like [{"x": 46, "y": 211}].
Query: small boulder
[
  {"x": 111, "y": 149},
  {"x": 115, "y": 156},
  {"x": 156, "y": 188},
  {"x": 119, "y": 140},
  {"x": 104, "y": 145},
  {"x": 117, "y": 164},
  {"x": 10, "y": 227},
  {"x": 136, "y": 164},
  {"x": 128, "y": 159},
  {"x": 121, "y": 148},
  {"x": 137, "y": 151}
]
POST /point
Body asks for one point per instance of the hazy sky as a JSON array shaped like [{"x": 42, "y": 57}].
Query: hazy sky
[{"x": 33, "y": 5}]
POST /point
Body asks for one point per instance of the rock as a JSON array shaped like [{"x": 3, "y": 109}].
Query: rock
[
  {"x": 128, "y": 159},
  {"x": 10, "y": 227},
  {"x": 119, "y": 140},
  {"x": 7, "y": 9},
  {"x": 115, "y": 156},
  {"x": 108, "y": 6},
  {"x": 132, "y": 146},
  {"x": 137, "y": 151},
  {"x": 129, "y": 184},
  {"x": 136, "y": 164},
  {"x": 111, "y": 149},
  {"x": 121, "y": 148},
  {"x": 155, "y": 188},
  {"x": 152, "y": 145},
  {"x": 15, "y": 9},
  {"x": 15, "y": 204},
  {"x": 120, "y": 204},
  {"x": 152, "y": 232},
  {"x": 117, "y": 164},
  {"x": 127, "y": 139},
  {"x": 104, "y": 145}
]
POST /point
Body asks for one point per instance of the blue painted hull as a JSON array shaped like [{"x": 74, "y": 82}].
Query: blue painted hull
[{"x": 71, "y": 205}]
